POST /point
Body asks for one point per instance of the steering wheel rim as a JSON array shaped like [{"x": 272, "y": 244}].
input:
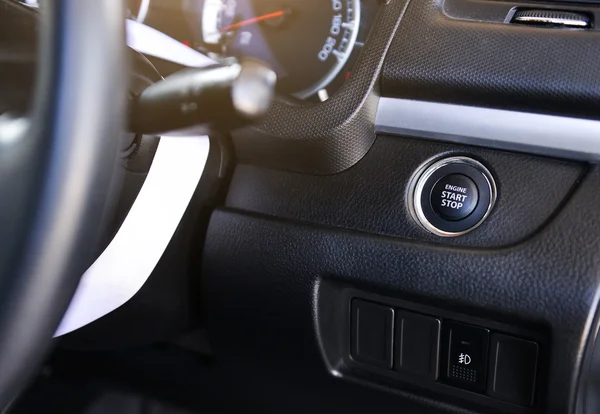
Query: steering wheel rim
[{"x": 56, "y": 171}]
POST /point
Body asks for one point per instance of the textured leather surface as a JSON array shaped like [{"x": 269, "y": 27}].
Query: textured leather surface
[
  {"x": 371, "y": 196},
  {"x": 332, "y": 136},
  {"x": 259, "y": 290},
  {"x": 434, "y": 57}
]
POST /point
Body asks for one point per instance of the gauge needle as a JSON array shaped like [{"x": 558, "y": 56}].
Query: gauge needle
[{"x": 256, "y": 19}]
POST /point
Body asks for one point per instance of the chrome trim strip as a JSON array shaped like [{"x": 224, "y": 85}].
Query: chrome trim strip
[{"x": 551, "y": 135}]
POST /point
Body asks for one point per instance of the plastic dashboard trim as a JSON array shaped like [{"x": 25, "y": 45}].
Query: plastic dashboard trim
[
  {"x": 559, "y": 136},
  {"x": 444, "y": 53},
  {"x": 548, "y": 280},
  {"x": 332, "y": 322}
]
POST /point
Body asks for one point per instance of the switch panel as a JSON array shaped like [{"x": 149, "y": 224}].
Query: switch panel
[
  {"x": 467, "y": 356},
  {"x": 429, "y": 348}
]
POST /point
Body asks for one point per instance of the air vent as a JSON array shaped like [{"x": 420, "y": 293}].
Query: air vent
[{"x": 552, "y": 18}]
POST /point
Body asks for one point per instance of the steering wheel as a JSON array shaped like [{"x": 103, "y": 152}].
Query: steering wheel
[{"x": 57, "y": 169}]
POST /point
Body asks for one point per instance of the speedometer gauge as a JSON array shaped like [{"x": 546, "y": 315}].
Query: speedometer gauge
[{"x": 307, "y": 42}]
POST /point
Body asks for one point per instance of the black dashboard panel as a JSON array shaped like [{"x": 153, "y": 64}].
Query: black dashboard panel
[
  {"x": 262, "y": 298},
  {"x": 372, "y": 196},
  {"x": 461, "y": 51}
]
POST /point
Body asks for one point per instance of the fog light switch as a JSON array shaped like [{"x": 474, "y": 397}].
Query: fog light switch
[{"x": 467, "y": 354}]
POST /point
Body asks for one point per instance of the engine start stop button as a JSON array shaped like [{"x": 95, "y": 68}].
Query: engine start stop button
[{"x": 452, "y": 196}]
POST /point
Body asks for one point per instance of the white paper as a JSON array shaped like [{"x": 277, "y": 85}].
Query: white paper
[
  {"x": 123, "y": 268},
  {"x": 152, "y": 42}
]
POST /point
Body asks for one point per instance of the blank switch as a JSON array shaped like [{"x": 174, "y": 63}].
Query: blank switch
[
  {"x": 372, "y": 333},
  {"x": 417, "y": 344},
  {"x": 513, "y": 366}
]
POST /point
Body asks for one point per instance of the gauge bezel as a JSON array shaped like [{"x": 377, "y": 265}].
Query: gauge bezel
[
  {"x": 335, "y": 71},
  {"x": 350, "y": 35}
]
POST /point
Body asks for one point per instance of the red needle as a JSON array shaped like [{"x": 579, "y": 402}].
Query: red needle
[{"x": 252, "y": 20}]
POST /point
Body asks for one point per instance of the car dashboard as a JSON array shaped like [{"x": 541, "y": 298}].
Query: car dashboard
[{"x": 413, "y": 225}]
